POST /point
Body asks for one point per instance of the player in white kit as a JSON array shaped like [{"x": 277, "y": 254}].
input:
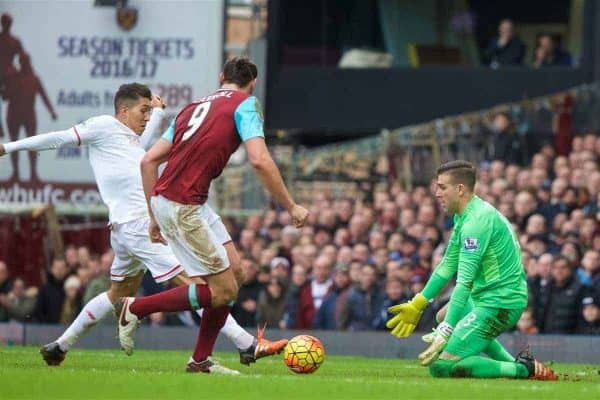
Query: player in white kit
[{"x": 116, "y": 146}]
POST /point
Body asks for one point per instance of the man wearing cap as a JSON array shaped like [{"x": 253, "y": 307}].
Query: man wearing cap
[
  {"x": 280, "y": 268},
  {"x": 590, "y": 324}
]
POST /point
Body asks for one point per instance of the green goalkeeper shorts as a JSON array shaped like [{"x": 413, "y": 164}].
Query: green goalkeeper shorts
[{"x": 478, "y": 328}]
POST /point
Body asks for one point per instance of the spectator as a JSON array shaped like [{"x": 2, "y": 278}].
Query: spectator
[
  {"x": 244, "y": 310},
  {"x": 52, "y": 295},
  {"x": 5, "y": 281},
  {"x": 72, "y": 303},
  {"x": 589, "y": 272},
  {"x": 548, "y": 54},
  {"x": 312, "y": 295},
  {"x": 363, "y": 304},
  {"x": 559, "y": 303},
  {"x": 280, "y": 268},
  {"x": 526, "y": 324},
  {"x": 292, "y": 301},
  {"x": 19, "y": 303},
  {"x": 83, "y": 255},
  {"x": 506, "y": 49},
  {"x": 590, "y": 323},
  {"x": 271, "y": 303},
  {"x": 506, "y": 142},
  {"x": 72, "y": 258},
  {"x": 328, "y": 315},
  {"x": 395, "y": 293}
]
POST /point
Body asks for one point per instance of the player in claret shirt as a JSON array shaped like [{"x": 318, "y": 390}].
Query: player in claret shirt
[
  {"x": 116, "y": 146},
  {"x": 197, "y": 146}
]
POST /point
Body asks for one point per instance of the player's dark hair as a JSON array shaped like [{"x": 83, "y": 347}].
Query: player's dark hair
[
  {"x": 130, "y": 92},
  {"x": 240, "y": 71},
  {"x": 460, "y": 172}
]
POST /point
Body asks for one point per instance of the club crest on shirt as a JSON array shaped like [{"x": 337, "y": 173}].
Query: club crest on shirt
[{"x": 471, "y": 244}]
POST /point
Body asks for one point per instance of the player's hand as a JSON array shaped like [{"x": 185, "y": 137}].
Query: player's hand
[
  {"x": 428, "y": 337},
  {"x": 299, "y": 215},
  {"x": 407, "y": 316},
  {"x": 440, "y": 339},
  {"x": 2, "y": 150},
  {"x": 154, "y": 232},
  {"x": 157, "y": 102}
]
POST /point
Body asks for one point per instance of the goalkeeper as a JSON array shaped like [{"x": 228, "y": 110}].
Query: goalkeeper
[{"x": 490, "y": 292}]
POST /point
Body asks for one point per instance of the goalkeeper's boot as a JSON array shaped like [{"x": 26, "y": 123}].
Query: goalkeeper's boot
[
  {"x": 261, "y": 348},
  {"x": 52, "y": 353},
  {"x": 209, "y": 366},
  {"x": 128, "y": 323},
  {"x": 537, "y": 370}
]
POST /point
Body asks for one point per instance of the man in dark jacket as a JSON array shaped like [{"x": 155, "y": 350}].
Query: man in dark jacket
[
  {"x": 363, "y": 302},
  {"x": 558, "y": 307},
  {"x": 52, "y": 294},
  {"x": 329, "y": 313},
  {"x": 507, "y": 48}
]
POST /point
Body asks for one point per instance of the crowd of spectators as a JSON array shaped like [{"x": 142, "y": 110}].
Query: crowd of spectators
[
  {"x": 507, "y": 49},
  {"x": 71, "y": 281},
  {"x": 356, "y": 257}
]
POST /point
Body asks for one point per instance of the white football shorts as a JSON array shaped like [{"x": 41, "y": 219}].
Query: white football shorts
[
  {"x": 195, "y": 234},
  {"x": 134, "y": 253}
]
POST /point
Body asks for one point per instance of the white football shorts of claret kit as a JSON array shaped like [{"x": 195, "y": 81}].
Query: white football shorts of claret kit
[{"x": 195, "y": 234}]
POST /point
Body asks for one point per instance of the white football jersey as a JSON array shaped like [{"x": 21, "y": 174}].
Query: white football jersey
[{"x": 115, "y": 153}]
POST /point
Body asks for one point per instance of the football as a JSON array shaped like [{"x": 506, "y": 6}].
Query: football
[{"x": 304, "y": 354}]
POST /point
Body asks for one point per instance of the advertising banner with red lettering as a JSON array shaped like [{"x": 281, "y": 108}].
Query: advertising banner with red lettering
[{"x": 61, "y": 63}]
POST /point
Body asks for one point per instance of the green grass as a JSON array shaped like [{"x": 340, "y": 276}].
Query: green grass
[{"x": 88, "y": 374}]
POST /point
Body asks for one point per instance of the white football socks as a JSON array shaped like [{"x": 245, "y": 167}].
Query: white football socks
[
  {"x": 235, "y": 333},
  {"x": 94, "y": 311}
]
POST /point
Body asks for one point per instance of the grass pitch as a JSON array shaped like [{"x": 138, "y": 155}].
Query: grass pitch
[{"x": 102, "y": 374}]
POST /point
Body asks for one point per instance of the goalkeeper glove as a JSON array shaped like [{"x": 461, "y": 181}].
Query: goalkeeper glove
[
  {"x": 442, "y": 334},
  {"x": 407, "y": 316}
]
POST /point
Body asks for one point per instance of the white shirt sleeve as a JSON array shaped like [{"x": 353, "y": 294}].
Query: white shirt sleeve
[
  {"x": 46, "y": 141},
  {"x": 152, "y": 132},
  {"x": 93, "y": 130},
  {"x": 88, "y": 132}
]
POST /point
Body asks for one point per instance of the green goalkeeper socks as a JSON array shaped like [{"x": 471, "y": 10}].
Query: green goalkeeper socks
[
  {"x": 477, "y": 367},
  {"x": 497, "y": 352}
]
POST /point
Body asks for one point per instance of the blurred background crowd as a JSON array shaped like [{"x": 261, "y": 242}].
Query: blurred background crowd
[{"x": 356, "y": 258}]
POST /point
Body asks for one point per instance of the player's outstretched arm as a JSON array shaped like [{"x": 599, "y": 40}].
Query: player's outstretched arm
[
  {"x": 45, "y": 141},
  {"x": 269, "y": 174},
  {"x": 149, "y": 166}
]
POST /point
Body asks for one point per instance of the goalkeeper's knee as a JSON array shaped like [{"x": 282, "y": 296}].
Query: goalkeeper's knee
[{"x": 441, "y": 368}]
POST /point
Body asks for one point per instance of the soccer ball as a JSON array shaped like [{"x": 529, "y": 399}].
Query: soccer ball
[{"x": 304, "y": 354}]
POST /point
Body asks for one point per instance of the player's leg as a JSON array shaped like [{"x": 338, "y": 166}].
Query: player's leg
[
  {"x": 495, "y": 349},
  {"x": 472, "y": 335},
  {"x": 93, "y": 312},
  {"x": 126, "y": 274},
  {"x": 201, "y": 253},
  {"x": 250, "y": 348}
]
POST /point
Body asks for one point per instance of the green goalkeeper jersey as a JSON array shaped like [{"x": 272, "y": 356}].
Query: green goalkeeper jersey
[{"x": 484, "y": 252}]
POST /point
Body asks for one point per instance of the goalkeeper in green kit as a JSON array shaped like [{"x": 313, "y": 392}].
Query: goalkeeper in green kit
[{"x": 490, "y": 292}]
